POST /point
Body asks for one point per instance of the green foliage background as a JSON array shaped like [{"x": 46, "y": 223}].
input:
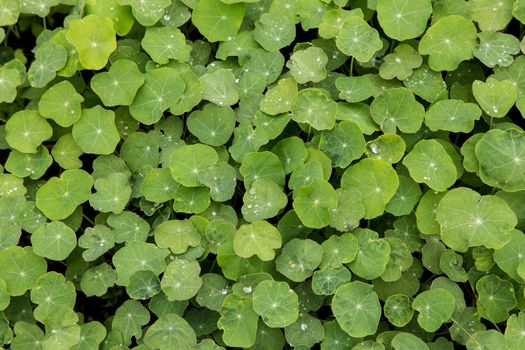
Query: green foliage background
[{"x": 258, "y": 174}]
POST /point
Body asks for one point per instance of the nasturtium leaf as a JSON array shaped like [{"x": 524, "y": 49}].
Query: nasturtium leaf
[
  {"x": 96, "y": 241},
  {"x": 449, "y": 41},
  {"x": 33, "y": 165},
  {"x": 96, "y": 280},
  {"x": 278, "y": 98},
  {"x": 407, "y": 196},
  {"x": 21, "y": 268},
  {"x": 373, "y": 255},
  {"x": 120, "y": 15},
  {"x": 356, "y": 309},
  {"x": 335, "y": 338},
  {"x": 358, "y": 39},
  {"x": 495, "y": 97},
  {"x": 59, "y": 197},
  {"x": 397, "y": 108},
  {"x": 349, "y": 211},
  {"x": 487, "y": 339},
  {"x": 192, "y": 91},
  {"x": 451, "y": 264},
  {"x": 276, "y": 303},
  {"x": 95, "y": 132},
  {"x": 94, "y": 39},
  {"x": 468, "y": 219},
  {"x": 177, "y": 235},
  {"x": 408, "y": 341},
  {"x": 10, "y": 12},
  {"x": 220, "y": 87},
  {"x": 387, "y": 147},
  {"x": 91, "y": 335},
  {"x": 26, "y": 130},
  {"x": 343, "y": 144},
  {"x": 261, "y": 165},
  {"x": 187, "y": 162},
  {"x": 355, "y": 89},
  {"x": 213, "y": 125},
  {"x": 129, "y": 319},
  {"x": 326, "y": 281},
  {"x": 128, "y": 226},
  {"x": 137, "y": 255},
  {"x": 61, "y": 103},
  {"x": 165, "y": 43},
  {"x": 292, "y": 153},
  {"x": 400, "y": 63},
  {"x": 9, "y": 80},
  {"x": 313, "y": 202},
  {"x": 213, "y": 291},
  {"x": 299, "y": 258},
  {"x": 435, "y": 307},
  {"x": 312, "y": 106},
  {"x": 514, "y": 331},
  {"x": 452, "y": 115},
  {"x": 49, "y": 58},
  {"x": 158, "y": 185},
  {"x": 400, "y": 259},
  {"x": 258, "y": 238},
  {"x": 305, "y": 332},
  {"x": 511, "y": 255},
  {"x": 308, "y": 65},
  {"x": 339, "y": 250},
  {"x": 162, "y": 89},
  {"x": 496, "y": 49},
  {"x": 274, "y": 31},
  {"x": 500, "y": 156},
  {"x": 191, "y": 200},
  {"x": 54, "y": 240},
  {"x": 119, "y": 85},
  {"x": 333, "y": 21},
  {"x": 376, "y": 180},
  {"x": 181, "y": 279},
  {"x": 147, "y": 13},
  {"x": 139, "y": 150},
  {"x": 398, "y": 309},
  {"x": 496, "y": 297},
  {"x": 263, "y": 200},
  {"x": 427, "y": 84},
  {"x": 216, "y": 20},
  {"x": 221, "y": 179},
  {"x": 403, "y": 19},
  {"x": 143, "y": 285},
  {"x": 238, "y": 321},
  {"x": 267, "y": 64},
  {"x": 112, "y": 193},
  {"x": 491, "y": 16},
  {"x": 50, "y": 291},
  {"x": 168, "y": 330},
  {"x": 429, "y": 163},
  {"x": 105, "y": 165}
]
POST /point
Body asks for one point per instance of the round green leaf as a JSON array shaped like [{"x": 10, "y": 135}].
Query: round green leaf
[
  {"x": 261, "y": 165},
  {"x": 429, "y": 163},
  {"x": 26, "y": 130},
  {"x": 376, "y": 180},
  {"x": 274, "y": 31},
  {"x": 468, "y": 219},
  {"x": 20, "y": 269},
  {"x": 49, "y": 58},
  {"x": 113, "y": 193},
  {"x": 213, "y": 125},
  {"x": 61, "y": 103},
  {"x": 496, "y": 298},
  {"x": 220, "y": 87},
  {"x": 401, "y": 63},
  {"x": 403, "y": 19},
  {"x": 343, "y": 144},
  {"x": 54, "y": 240},
  {"x": 356, "y": 309},
  {"x": 373, "y": 255},
  {"x": 181, "y": 279},
  {"x": 312, "y": 106},
  {"x": 191, "y": 200},
  {"x": 95, "y": 132},
  {"x": 491, "y": 16},
  {"x": 308, "y": 65},
  {"x": 449, "y": 41},
  {"x": 119, "y": 85},
  {"x": 326, "y": 281},
  {"x": 59, "y": 197},
  {"x": 496, "y": 48},
  {"x": 96, "y": 240},
  {"x": 238, "y": 321},
  {"x": 177, "y": 235},
  {"x": 259, "y": 238},
  {"x": 147, "y": 13},
  {"x": 408, "y": 341},
  {"x": 276, "y": 303},
  {"x": 299, "y": 258},
  {"x": 312, "y": 203},
  {"x": 216, "y": 20},
  {"x": 158, "y": 185},
  {"x": 495, "y": 97},
  {"x": 188, "y": 161},
  {"x": 165, "y": 43},
  {"x": 397, "y": 108},
  {"x": 263, "y": 200},
  {"x": 435, "y": 306},
  {"x": 358, "y": 39},
  {"x": 398, "y": 309},
  {"x": 452, "y": 115},
  {"x": 170, "y": 329},
  {"x": 94, "y": 39}
]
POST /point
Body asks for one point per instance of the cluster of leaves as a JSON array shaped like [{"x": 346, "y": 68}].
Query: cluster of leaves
[{"x": 258, "y": 174}]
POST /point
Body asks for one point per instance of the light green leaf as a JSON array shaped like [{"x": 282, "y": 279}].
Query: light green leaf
[
  {"x": 20, "y": 269},
  {"x": 113, "y": 193},
  {"x": 397, "y": 108},
  {"x": 213, "y": 125},
  {"x": 452, "y": 115},
  {"x": 258, "y": 238},
  {"x": 170, "y": 329},
  {"x": 401, "y": 63},
  {"x": 119, "y": 85},
  {"x": 313, "y": 202},
  {"x": 308, "y": 65},
  {"x": 435, "y": 307},
  {"x": 49, "y": 58},
  {"x": 181, "y": 279},
  {"x": 491, "y": 16},
  {"x": 165, "y": 43},
  {"x": 358, "y": 39},
  {"x": 97, "y": 241},
  {"x": 94, "y": 39},
  {"x": 54, "y": 240},
  {"x": 26, "y": 130},
  {"x": 276, "y": 303},
  {"x": 274, "y": 31},
  {"x": 299, "y": 258},
  {"x": 495, "y": 97},
  {"x": 95, "y": 132},
  {"x": 61, "y": 102},
  {"x": 496, "y": 297},
  {"x": 468, "y": 219},
  {"x": 398, "y": 309},
  {"x": 187, "y": 162},
  {"x": 149, "y": 12},
  {"x": 496, "y": 49},
  {"x": 403, "y": 19},
  {"x": 177, "y": 235},
  {"x": 220, "y": 87},
  {"x": 263, "y": 200},
  {"x": 356, "y": 309},
  {"x": 9, "y": 80},
  {"x": 216, "y": 20}
]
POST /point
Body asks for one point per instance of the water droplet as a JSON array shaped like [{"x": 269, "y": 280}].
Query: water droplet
[
  {"x": 224, "y": 291},
  {"x": 304, "y": 327},
  {"x": 374, "y": 148},
  {"x": 247, "y": 290}
]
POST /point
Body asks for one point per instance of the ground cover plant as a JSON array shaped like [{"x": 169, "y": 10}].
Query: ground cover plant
[{"x": 258, "y": 174}]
